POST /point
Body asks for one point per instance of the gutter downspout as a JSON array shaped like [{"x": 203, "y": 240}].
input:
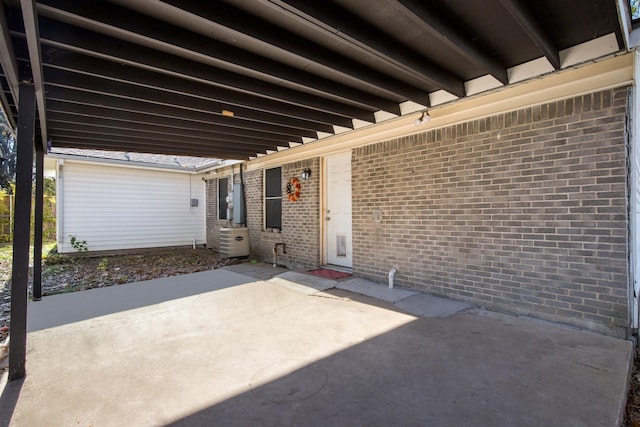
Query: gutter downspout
[
  {"x": 275, "y": 252},
  {"x": 243, "y": 199},
  {"x": 60, "y": 205}
]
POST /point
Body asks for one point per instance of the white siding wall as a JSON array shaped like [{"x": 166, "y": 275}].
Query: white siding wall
[{"x": 114, "y": 207}]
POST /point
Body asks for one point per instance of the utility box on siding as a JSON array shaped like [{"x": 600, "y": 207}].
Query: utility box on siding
[
  {"x": 238, "y": 203},
  {"x": 234, "y": 242}
]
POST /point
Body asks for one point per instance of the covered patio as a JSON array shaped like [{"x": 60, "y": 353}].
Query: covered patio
[
  {"x": 253, "y": 79},
  {"x": 222, "y": 347}
]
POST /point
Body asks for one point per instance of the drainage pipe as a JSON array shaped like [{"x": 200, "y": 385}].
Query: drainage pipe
[
  {"x": 275, "y": 252},
  {"x": 243, "y": 200},
  {"x": 392, "y": 275}
]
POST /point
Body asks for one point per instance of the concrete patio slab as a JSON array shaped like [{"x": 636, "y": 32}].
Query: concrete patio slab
[
  {"x": 257, "y": 270},
  {"x": 301, "y": 282},
  {"x": 77, "y": 306},
  {"x": 375, "y": 290},
  {"x": 432, "y": 306},
  {"x": 249, "y": 352}
]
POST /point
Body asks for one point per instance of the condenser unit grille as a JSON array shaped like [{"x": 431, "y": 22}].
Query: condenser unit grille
[{"x": 234, "y": 242}]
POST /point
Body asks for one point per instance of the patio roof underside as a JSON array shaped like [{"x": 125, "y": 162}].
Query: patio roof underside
[{"x": 166, "y": 76}]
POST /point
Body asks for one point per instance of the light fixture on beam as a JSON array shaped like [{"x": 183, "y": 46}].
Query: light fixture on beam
[
  {"x": 424, "y": 118},
  {"x": 227, "y": 113}
]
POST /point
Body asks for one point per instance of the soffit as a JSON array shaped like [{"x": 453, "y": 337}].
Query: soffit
[{"x": 161, "y": 76}]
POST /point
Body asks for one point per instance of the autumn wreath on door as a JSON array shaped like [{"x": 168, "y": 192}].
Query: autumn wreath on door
[{"x": 293, "y": 189}]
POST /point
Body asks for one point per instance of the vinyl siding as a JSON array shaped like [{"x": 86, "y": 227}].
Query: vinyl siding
[{"x": 113, "y": 207}]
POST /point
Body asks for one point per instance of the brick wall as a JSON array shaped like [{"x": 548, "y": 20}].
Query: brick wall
[
  {"x": 524, "y": 211},
  {"x": 300, "y": 220}
]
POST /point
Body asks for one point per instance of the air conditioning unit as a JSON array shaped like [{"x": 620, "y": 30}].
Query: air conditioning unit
[{"x": 234, "y": 242}]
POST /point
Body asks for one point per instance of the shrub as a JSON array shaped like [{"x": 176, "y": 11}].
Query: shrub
[{"x": 78, "y": 245}]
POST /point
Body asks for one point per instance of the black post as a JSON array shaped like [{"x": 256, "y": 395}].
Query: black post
[
  {"x": 37, "y": 232},
  {"x": 21, "y": 231}
]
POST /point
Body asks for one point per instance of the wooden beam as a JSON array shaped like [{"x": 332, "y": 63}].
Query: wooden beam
[
  {"x": 338, "y": 24},
  {"x": 536, "y": 33},
  {"x": 30, "y": 18},
  {"x": 81, "y": 129},
  {"x": 92, "y": 115},
  {"x": 110, "y": 71},
  {"x": 9, "y": 65},
  {"x": 125, "y": 24},
  {"x": 103, "y": 102},
  {"x": 91, "y": 133},
  {"x": 453, "y": 38},
  {"x": 244, "y": 31},
  {"x": 66, "y": 39},
  {"x": 118, "y": 89}
]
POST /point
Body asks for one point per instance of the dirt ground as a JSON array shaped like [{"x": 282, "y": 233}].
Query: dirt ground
[{"x": 632, "y": 418}]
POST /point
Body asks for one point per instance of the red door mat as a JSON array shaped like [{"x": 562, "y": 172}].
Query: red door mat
[{"x": 327, "y": 273}]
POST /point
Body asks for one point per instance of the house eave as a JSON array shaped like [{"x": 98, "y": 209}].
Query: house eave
[
  {"x": 212, "y": 169},
  {"x": 124, "y": 163},
  {"x": 607, "y": 72}
]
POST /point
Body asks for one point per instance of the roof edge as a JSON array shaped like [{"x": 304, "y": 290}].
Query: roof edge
[{"x": 126, "y": 163}]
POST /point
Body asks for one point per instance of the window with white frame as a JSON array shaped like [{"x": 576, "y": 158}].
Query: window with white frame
[
  {"x": 223, "y": 192},
  {"x": 273, "y": 198}
]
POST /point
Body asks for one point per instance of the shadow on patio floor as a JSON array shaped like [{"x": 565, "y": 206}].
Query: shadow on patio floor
[{"x": 225, "y": 348}]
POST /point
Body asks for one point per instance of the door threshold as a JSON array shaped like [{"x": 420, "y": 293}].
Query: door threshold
[{"x": 338, "y": 268}]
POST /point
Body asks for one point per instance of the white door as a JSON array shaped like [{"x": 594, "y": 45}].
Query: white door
[
  {"x": 635, "y": 201},
  {"x": 337, "y": 214},
  {"x": 635, "y": 237}
]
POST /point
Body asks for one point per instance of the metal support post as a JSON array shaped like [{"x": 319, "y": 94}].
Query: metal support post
[
  {"x": 37, "y": 232},
  {"x": 20, "y": 273}
]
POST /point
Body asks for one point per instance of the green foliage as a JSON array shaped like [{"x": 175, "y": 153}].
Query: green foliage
[
  {"x": 8, "y": 145},
  {"x": 7, "y": 154},
  {"x": 48, "y": 215},
  {"x": 635, "y": 8},
  {"x": 6, "y": 253},
  {"x": 49, "y": 187},
  {"x": 78, "y": 245},
  {"x": 6, "y": 215},
  {"x": 103, "y": 265}
]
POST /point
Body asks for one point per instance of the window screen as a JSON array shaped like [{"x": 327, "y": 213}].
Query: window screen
[
  {"x": 273, "y": 182},
  {"x": 223, "y": 192},
  {"x": 273, "y": 198}
]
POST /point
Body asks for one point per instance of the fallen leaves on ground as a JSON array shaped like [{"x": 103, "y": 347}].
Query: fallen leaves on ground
[{"x": 632, "y": 416}]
